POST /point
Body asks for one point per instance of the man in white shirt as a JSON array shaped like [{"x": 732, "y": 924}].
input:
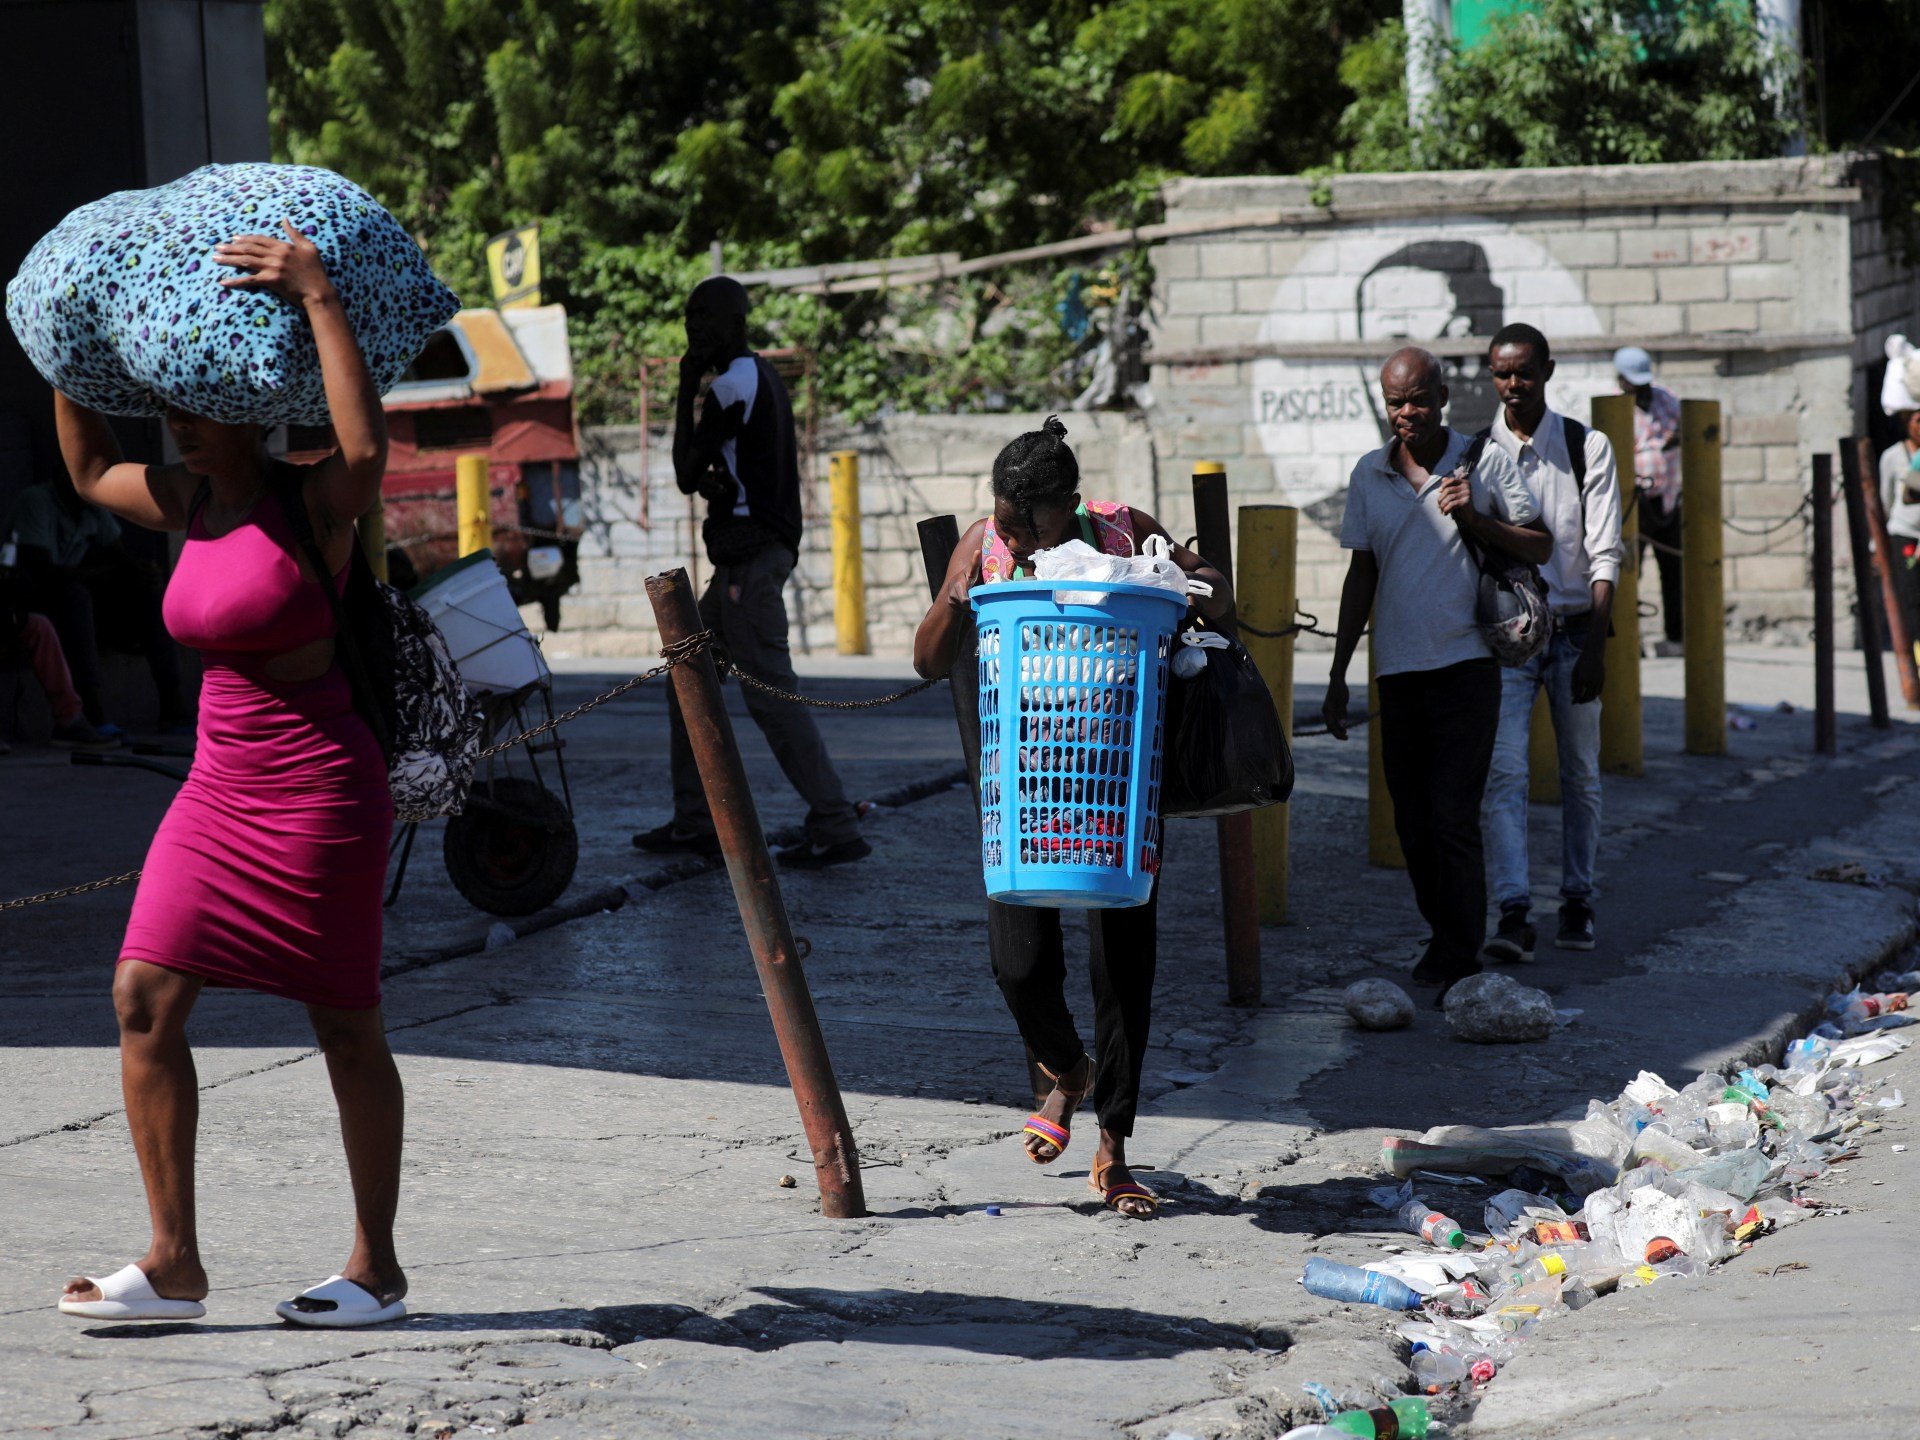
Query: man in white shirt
[
  {"x": 741, "y": 455},
  {"x": 1568, "y": 469},
  {"x": 1412, "y": 507}
]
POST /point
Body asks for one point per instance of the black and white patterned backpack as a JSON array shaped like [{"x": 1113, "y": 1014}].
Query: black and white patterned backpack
[{"x": 405, "y": 684}]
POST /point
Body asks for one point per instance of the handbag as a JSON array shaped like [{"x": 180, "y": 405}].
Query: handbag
[
  {"x": 1510, "y": 603},
  {"x": 1226, "y": 750},
  {"x": 404, "y": 682}
]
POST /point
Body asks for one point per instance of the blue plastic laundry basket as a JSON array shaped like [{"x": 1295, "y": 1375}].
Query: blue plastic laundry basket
[{"x": 1072, "y": 725}]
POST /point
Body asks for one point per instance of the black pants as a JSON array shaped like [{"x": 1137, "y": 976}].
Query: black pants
[
  {"x": 1436, "y": 742},
  {"x": 743, "y": 606},
  {"x": 1661, "y": 524},
  {"x": 1029, "y": 961}
]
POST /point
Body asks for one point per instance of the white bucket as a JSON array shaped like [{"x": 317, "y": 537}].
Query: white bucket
[{"x": 471, "y": 604}]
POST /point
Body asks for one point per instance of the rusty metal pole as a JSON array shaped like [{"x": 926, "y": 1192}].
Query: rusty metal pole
[
  {"x": 696, "y": 684},
  {"x": 1239, "y": 900},
  {"x": 1825, "y": 735},
  {"x": 1883, "y": 561},
  {"x": 939, "y": 538},
  {"x": 1852, "y": 482}
]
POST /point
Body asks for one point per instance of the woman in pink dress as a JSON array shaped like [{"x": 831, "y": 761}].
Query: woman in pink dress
[{"x": 266, "y": 873}]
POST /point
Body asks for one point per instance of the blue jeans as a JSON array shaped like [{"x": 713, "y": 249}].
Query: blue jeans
[{"x": 1576, "y": 731}]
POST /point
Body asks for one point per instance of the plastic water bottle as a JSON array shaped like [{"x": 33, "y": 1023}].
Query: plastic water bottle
[
  {"x": 1333, "y": 1281},
  {"x": 1807, "y": 1054},
  {"x": 1438, "y": 1370},
  {"x": 1430, "y": 1225},
  {"x": 1402, "y": 1419}
]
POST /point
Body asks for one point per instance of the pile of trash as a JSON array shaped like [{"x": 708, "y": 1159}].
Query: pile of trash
[{"x": 1651, "y": 1188}]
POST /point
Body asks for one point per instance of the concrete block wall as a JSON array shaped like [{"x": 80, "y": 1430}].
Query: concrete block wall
[
  {"x": 1766, "y": 285},
  {"x": 911, "y": 467},
  {"x": 1755, "y": 284}
]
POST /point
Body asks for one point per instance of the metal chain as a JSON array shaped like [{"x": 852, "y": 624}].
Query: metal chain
[
  {"x": 774, "y": 690},
  {"x": 1309, "y": 624},
  {"x": 70, "y": 890},
  {"x": 677, "y": 653},
  {"x": 1806, "y": 503}
]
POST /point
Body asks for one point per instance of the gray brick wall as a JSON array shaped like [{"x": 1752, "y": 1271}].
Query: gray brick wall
[{"x": 1767, "y": 285}]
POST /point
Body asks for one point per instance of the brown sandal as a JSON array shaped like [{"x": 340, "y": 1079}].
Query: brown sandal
[
  {"x": 1045, "y": 1130},
  {"x": 1112, "y": 1196}
]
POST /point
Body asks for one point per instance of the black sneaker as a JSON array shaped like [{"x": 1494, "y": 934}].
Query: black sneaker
[
  {"x": 671, "y": 839},
  {"x": 1515, "y": 938},
  {"x": 1576, "y": 926},
  {"x": 808, "y": 856}
]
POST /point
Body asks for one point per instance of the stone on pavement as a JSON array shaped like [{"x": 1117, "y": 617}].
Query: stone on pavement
[
  {"x": 1378, "y": 1005},
  {"x": 1491, "y": 1008}
]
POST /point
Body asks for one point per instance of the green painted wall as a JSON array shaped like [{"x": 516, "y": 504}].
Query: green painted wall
[{"x": 1471, "y": 18}]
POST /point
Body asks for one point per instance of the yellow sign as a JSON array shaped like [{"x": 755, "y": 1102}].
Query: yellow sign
[{"x": 513, "y": 264}]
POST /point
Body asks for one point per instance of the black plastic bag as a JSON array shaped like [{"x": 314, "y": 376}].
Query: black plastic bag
[{"x": 1226, "y": 748}]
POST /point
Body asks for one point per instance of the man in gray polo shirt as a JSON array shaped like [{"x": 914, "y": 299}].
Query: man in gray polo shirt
[{"x": 1411, "y": 509}]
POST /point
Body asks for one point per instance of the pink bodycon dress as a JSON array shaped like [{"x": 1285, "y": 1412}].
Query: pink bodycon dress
[{"x": 267, "y": 871}]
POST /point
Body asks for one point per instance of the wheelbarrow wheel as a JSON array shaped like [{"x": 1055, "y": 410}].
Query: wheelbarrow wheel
[{"x": 513, "y": 850}]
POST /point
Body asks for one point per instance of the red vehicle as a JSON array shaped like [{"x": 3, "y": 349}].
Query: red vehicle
[{"x": 497, "y": 383}]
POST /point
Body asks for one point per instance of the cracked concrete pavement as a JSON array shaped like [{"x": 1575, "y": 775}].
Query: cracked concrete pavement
[{"x": 593, "y": 1222}]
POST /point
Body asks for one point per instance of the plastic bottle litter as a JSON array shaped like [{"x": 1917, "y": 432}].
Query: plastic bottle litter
[
  {"x": 1808, "y": 1054},
  {"x": 1416, "y": 1217},
  {"x": 1333, "y": 1281},
  {"x": 1560, "y": 1232},
  {"x": 1403, "y": 1419},
  {"x": 1438, "y": 1370},
  {"x": 1507, "y": 1209}
]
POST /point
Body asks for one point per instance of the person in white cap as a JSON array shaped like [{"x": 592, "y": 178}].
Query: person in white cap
[
  {"x": 1656, "y": 472},
  {"x": 1899, "y": 484}
]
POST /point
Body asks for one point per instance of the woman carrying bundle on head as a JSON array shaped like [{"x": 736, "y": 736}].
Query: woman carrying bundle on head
[
  {"x": 1037, "y": 506},
  {"x": 267, "y": 872}
]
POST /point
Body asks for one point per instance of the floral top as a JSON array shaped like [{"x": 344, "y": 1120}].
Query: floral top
[
  {"x": 1106, "y": 525},
  {"x": 1656, "y": 469}
]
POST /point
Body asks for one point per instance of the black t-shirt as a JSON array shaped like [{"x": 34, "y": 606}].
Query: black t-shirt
[{"x": 748, "y": 411}]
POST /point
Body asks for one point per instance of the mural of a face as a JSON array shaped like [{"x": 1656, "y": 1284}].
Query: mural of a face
[
  {"x": 1394, "y": 283},
  {"x": 1433, "y": 290}
]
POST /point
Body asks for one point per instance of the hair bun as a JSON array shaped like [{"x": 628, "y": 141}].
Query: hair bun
[{"x": 1055, "y": 427}]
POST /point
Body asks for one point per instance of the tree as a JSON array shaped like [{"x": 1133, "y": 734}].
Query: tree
[{"x": 1581, "y": 82}]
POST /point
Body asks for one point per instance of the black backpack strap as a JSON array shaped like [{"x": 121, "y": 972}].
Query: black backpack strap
[
  {"x": 290, "y": 489},
  {"x": 1576, "y": 435},
  {"x": 1474, "y": 450}
]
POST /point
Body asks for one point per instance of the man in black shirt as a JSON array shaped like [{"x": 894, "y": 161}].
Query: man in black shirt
[{"x": 741, "y": 456}]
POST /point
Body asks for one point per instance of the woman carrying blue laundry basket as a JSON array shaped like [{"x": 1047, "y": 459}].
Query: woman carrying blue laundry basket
[{"x": 1037, "y": 506}]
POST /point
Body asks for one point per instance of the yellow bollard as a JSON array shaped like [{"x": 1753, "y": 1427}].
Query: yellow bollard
[
  {"x": 1265, "y": 594},
  {"x": 1383, "y": 841},
  {"x": 1543, "y": 755},
  {"x": 1622, "y": 751},
  {"x": 1703, "y": 583},
  {"x": 474, "y": 501},
  {"x": 373, "y": 537},
  {"x": 849, "y": 578}
]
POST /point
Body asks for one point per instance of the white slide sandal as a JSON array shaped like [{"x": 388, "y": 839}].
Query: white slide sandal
[
  {"x": 351, "y": 1305},
  {"x": 128, "y": 1295}
]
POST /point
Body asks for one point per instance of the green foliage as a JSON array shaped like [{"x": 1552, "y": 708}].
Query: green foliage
[
  {"x": 1578, "y": 82},
  {"x": 637, "y": 131},
  {"x": 797, "y": 131}
]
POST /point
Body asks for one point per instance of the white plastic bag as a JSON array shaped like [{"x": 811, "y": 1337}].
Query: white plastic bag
[{"x": 1191, "y": 658}]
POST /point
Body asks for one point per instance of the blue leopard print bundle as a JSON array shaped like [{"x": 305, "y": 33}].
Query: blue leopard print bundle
[{"x": 120, "y": 305}]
